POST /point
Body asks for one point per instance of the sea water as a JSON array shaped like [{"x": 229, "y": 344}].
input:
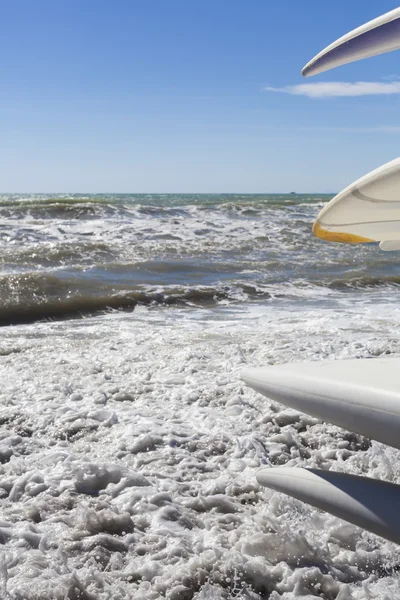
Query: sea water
[{"x": 128, "y": 443}]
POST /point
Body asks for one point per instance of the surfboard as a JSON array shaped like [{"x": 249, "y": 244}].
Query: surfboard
[
  {"x": 368, "y": 503},
  {"x": 375, "y": 37},
  {"x": 368, "y": 210},
  {"x": 361, "y": 395}
]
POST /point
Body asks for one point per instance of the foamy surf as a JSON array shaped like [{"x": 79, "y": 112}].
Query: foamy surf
[
  {"x": 130, "y": 449},
  {"x": 129, "y": 445}
]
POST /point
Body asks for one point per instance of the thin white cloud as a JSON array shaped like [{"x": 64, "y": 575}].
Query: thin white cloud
[
  {"x": 392, "y": 77},
  {"x": 390, "y": 129},
  {"x": 333, "y": 89},
  {"x": 380, "y": 129}
]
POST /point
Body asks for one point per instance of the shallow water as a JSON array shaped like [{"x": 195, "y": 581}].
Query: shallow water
[{"x": 128, "y": 443}]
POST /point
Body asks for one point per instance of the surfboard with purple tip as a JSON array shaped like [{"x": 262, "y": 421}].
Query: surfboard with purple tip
[
  {"x": 375, "y": 37},
  {"x": 365, "y": 502}
]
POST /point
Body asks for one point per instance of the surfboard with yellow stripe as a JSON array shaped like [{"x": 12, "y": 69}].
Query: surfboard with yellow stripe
[{"x": 368, "y": 210}]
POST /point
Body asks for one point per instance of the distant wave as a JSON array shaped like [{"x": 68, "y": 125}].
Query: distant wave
[
  {"x": 58, "y": 205},
  {"x": 363, "y": 282}
]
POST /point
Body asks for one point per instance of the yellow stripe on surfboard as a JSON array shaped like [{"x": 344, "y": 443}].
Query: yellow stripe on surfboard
[{"x": 337, "y": 236}]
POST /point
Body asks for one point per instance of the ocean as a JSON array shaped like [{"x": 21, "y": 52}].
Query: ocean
[{"x": 128, "y": 442}]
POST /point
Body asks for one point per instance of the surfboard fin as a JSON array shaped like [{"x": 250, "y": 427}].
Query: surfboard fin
[{"x": 390, "y": 245}]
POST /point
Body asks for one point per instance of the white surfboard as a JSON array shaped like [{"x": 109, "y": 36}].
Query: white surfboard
[
  {"x": 368, "y": 503},
  {"x": 359, "y": 395},
  {"x": 375, "y": 37},
  {"x": 368, "y": 210}
]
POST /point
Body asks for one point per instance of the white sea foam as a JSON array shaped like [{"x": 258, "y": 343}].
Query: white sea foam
[{"x": 129, "y": 448}]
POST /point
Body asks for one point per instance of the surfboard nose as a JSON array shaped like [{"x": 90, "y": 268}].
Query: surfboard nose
[
  {"x": 359, "y": 398},
  {"x": 365, "y": 502},
  {"x": 287, "y": 480},
  {"x": 251, "y": 374},
  {"x": 260, "y": 379},
  {"x": 375, "y": 37}
]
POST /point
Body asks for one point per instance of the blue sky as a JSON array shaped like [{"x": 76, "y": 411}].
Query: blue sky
[{"x": 189, "y": 96}]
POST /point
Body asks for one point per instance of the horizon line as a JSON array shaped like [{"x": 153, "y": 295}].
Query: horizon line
[{"x": 291, "y": 193}]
